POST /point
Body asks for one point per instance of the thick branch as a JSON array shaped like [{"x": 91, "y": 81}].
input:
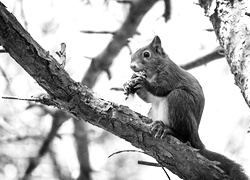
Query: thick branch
[{"x": 80, "y": 101}]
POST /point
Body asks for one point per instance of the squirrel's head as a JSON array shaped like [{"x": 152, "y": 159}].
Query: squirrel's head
[{"x": 149, "y": 59}]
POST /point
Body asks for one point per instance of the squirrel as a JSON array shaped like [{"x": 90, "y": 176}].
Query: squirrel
[{"x": 177, "y": 101}]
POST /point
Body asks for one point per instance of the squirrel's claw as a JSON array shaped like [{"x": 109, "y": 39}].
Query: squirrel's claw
[
  {"x": 160, "y": 130},
  {"x": 157, "y": 128}
]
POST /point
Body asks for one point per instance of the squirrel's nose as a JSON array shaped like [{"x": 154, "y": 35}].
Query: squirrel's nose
[{"x": 134, "y": 66}]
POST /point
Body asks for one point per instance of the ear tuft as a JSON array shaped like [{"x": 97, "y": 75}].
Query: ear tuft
[
  {"x": 156, "y": 41},
  {"x": 156, "y": 44}
]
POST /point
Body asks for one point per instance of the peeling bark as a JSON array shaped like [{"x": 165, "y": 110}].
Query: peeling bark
[{"x": 232, "y": 27}]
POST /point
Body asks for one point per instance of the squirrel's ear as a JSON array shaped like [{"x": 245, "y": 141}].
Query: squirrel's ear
[{"x": 156, "y": 44}]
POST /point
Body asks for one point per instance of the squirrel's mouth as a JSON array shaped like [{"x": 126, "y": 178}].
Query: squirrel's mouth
[{"x": 136, "y": 70}]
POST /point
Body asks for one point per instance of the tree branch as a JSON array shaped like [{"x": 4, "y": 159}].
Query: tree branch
[
  {"x": 81, "y": 102},
  {"x": 216, "y": 54},
  {"x": 104, "y": 60},
  {"x": 81, "y": 140},
  {"x": 59, "y": 119}
]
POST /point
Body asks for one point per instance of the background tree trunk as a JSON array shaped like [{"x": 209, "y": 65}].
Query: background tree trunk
[{"x": 232, "y": 28}]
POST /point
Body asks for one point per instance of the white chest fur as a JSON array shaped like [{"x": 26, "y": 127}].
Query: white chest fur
[{"x": 159, "y": 109}]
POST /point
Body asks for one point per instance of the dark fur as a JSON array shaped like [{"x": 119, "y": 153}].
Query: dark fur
[
  {"x": 184, "y": 96},
  {"x": 184, "y": 93}
]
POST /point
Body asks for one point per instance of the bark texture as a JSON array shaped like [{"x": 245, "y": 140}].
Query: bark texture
[{"x": 232, "y": 27}]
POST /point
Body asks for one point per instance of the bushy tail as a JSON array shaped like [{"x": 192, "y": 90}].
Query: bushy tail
[{"x": 232, "y": 169}]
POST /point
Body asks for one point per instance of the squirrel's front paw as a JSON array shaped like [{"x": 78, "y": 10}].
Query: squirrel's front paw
[
  {"x": 159, "y": 129},
  {"x": 134, "y": 83},
  {"x": 139, "y": 77}
]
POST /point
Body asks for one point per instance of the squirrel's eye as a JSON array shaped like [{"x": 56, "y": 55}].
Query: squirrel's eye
[{"x": 146, "y": 54}]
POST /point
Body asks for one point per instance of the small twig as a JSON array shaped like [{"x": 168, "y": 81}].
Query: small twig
[
  {"x": 209, "y": 30},
  {"x": 118, "y": 152},
  {"x": 22, "y": 99},
  {"x": 42, "y": 98},
  {"x": 98, "y": 32},
  {"x": 124, "y": 1},
  {"x": 129, "y": 48},
  {"x": 247, "y": 14},
  {"x": 7, "y": 79},
  {"x": 155, "y": 165},
  {"x": 108, "y": 73},
  {"x": 166, "y": 172},
  {"x": 62, "y": 55},
  {"x": 142, "y": 162},
  {"x": 216, "y": 54},
  {"x": 87, "y": 57},
  {"x": 117, "y": 89},
  {"x": 149, "y": 163},
  {"x": 20, "y": 138},
  {"x": 195, "y": 3}
]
